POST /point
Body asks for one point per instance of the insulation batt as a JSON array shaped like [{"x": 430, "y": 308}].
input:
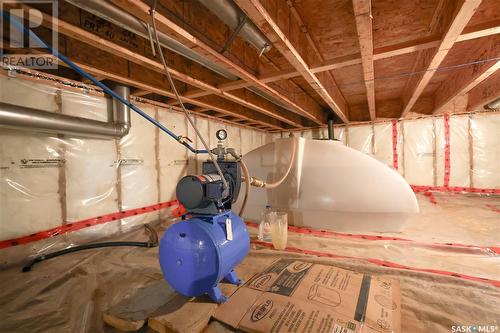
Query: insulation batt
[
  {"x": 77, "y": 178},
  {"x": 48, "y": 180}
]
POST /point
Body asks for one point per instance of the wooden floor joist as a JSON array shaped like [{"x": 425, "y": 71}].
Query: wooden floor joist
[
  {"x": 484, "y": 54},
  {"x": 363, "y": 16},
  {"x": 430, "y": 58},
  {"x": 140, "y": 93},
  {"x": 327, "y": 88},
  {"x": 99, "y": 78},
  {"x": 302, "y": 105},
  {"x": 199, "y": 109},
  {"x": 484, "y": 93},
  {"x": 215, "y": 104},
  {"x": 329, "y": 79},
  {"x": 483, "y": 30},
  {"x": 430, "y": 63},
  {"x": 252, "y": 102},
  {"x": 462, "y": 82}
]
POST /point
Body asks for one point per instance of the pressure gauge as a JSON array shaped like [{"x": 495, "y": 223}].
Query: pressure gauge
[{"x": 221, "y": 134}]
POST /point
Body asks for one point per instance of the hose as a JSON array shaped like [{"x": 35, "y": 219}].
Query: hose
[
  {"x": 34, "y": 37},
  {"x": 174, "y": 89},
  {"x": 152, "y": 242},
  {"x": 246, "y": 174},
  {"x": 260, "y": 183}
]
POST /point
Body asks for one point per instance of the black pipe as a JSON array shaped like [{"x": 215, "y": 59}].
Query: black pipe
[
  {"x": 152, "y": 242},
  {"x": 330, "y": 129}
]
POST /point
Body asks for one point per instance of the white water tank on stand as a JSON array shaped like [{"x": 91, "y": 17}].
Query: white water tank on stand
[{"x": 329, "y": 186}]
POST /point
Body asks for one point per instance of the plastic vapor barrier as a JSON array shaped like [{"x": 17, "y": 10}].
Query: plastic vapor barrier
[
  {"x": 419, "y": 151},
  {"x": 439, "y": 153},
  {"x": 202, "y": 125},
  {"x": 457, "y": 153},
  {"x": 360, "y": 138},
  {"x": 173, "y": 159},
  {"x": 485, "y": 131},
  {"x": 382, "y": 136},
  {"x": 137, "y": 168},
  {"x": 340, "y": 134},
  {"x": 460, "y": 152},
  {"x": 47, "y": 181}
]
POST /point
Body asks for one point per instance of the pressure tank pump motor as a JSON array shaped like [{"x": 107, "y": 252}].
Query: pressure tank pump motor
[{"x": 202, "y": 249}]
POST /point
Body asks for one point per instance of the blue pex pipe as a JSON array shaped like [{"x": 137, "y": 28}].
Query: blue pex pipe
[{"x": 18, "y": 25}]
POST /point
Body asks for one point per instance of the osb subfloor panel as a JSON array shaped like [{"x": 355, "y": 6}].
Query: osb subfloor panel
[{"x": 70, "y": 293}]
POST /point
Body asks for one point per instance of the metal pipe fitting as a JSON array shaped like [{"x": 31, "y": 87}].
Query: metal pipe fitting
[
  {"x": 25, "y": 118},
  {"x": 124, "y": 20},
  {"x": 233, "y": 16},
  {"x": 494, "y": 105},
  {"x": 116, "y": 15}
]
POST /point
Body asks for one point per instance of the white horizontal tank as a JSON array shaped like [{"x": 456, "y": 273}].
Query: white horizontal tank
[{"x": 328, "y": 186}]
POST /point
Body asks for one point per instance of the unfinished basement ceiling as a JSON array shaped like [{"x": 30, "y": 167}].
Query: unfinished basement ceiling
[{"x": 367, "y": 61}]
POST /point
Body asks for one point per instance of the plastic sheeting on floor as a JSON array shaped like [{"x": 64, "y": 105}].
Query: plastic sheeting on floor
[
  {"x": 70, "y": 293},
  {"x": 457, "y": 233}
]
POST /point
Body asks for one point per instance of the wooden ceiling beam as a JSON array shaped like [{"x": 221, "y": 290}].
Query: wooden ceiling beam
[
  {"x": 220, "y": 115},
  {"x": 363, "y": 16},
  {"x": 478, "y": 31},
  {"x": 484, "y": 93},
  {"x": 99, "y": 78},
  {"x": 466, "y": 78},
  {"x": 218, "y": 104},
  {"x": 252, "y": 102},
  {"x": 302, "y": 104},
  {"x": 330, "y": 80},
  {"x": 200, "y": 109},
  {"x": 102, "y": 64},
  {"x": 432, "y": 59},
  {"x": 141, "y": 92},
  {"x": 234, "y": 112},
  {"x": 327, "y": 90}
]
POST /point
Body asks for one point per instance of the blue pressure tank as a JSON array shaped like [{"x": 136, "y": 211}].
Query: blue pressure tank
[{"x": 196, "y": 254}]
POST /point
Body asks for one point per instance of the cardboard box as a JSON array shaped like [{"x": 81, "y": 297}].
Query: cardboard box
[{"x": 297, "y": 296}]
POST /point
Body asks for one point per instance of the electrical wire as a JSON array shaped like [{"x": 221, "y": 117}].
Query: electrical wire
[
  {"x": 207, "y": 39},
  {"x": 391, "y": 77},
  {"x": 280, "y": 88},
  {"x": 87, "y": 88},
  {"x": 15, "y": 23},
  {"x": 174, "y": 89},
  {"x": 246, "y": 174}
]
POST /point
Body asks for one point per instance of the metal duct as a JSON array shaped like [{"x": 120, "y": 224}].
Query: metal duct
[
  {"x": 232, "y": 15},
  {"x": 112, "y": 13},
  {"x": 495, "y": 105},
  {"x": 24, "y": 118},
  {"x": 121, "y": 112},
  {"x": 129, "y": 22}
]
